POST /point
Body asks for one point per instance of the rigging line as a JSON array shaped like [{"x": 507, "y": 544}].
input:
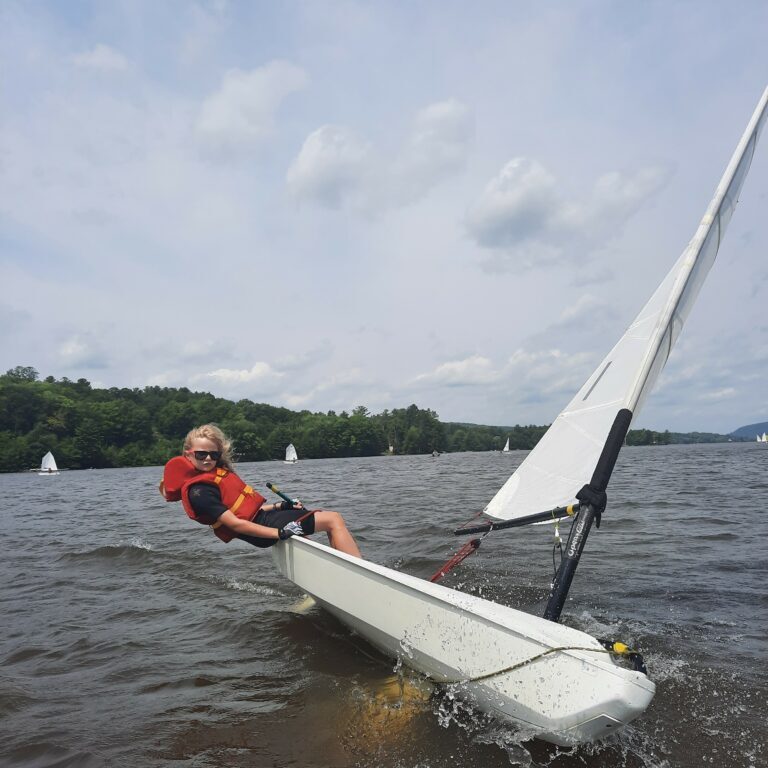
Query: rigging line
[
  {"x": 471, "y": 546},
  {"x": 523, "y": 663},
  {"x": 609, "y": 646},
  {"x": 567, "y": 541},
  {"x": 469, "y": 520},
  {"x": 462, "y": 553},
  {"x": 556, "y": 547}
]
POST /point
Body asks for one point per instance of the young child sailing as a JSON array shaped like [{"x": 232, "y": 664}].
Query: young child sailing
[{"x": 204, "y": 480}]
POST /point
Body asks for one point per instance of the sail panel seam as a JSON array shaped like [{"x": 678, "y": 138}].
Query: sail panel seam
[{"x": 597, "y": 380}]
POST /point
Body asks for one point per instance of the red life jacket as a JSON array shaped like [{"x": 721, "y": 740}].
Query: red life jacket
[{"x": 180, "y": 475}]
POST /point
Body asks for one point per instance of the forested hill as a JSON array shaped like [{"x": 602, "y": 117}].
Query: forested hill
[
  {"x": 87, "y": 427},
  {"x": 751, "y": 431}
]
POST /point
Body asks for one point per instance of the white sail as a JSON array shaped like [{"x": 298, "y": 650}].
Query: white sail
[
  {"x": 505, "y": 449},
  {"x": 566, "y": 456},
  {"x": 291, "y": 457},
  {"x": 765, "y": 438},
  {"x": 48, "y": 465}
]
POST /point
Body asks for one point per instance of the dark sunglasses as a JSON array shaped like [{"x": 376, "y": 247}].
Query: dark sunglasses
[{"x": 202, "y": 455}]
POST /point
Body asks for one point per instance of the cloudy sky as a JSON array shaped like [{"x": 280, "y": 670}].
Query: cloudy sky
[{"x": 328, "y": 204}]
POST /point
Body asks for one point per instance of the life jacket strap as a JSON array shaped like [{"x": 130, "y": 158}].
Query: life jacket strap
[
  {"x": 247, "y": 491},
  {"x": 220, "y": 475}
]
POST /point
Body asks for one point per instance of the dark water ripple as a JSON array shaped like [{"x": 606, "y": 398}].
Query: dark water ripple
[{"x": 133, "y": 638}]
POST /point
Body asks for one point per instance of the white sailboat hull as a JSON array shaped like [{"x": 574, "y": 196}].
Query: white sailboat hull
[{"x": 493, "y": 654}]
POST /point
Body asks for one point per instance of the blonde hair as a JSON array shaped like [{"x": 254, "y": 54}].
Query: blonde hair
[{"x": 213, "y": 433}]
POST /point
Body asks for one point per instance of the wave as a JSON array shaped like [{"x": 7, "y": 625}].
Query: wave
[
  {"x": 47, "y": 755},
  {"x": 13, "y": 698},
  {"x": 134, "y": 551},
  {"x": 239, "y": 585}
]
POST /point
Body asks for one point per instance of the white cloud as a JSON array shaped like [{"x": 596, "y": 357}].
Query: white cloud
[
  {"x": 529, "y": 386},
  {"x": 719, "y": 394},
  {"x": 548, "y": 371},
  {"x": 201, "y": 351},
  {"x": 102, "y": 58},
  {"x": 11, "y": 317},
  {"x": 522, "y": 214},
  {"x": 615, "y": 197},
  {"x": 584, "y": 308},
  {"x": 457, "y": 373},
  {"x": 257, "y": 373},
  {"x": 518, "y": 204},
  {"x": 436, "y": 149},
  {"x": 523, "y": 358},
  {"x": 120, "y": 177},
  {"x": 331, "y": 167},
  {"x": 337, "y": 167},
  {"x": 298, "y": 401},
  {"x": 339, "y": 383},
  {"x": 242, "y": 111},
  {"x": 80, "y": 352},
  {"x": 307, "y": 359},
  {"x": 204, "y": 32},
  {"x": 584, "y": 321},
  {"x": 164, "y": 379}
]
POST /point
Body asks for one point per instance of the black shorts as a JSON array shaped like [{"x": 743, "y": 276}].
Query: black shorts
[{"x": 277, "y": 519}]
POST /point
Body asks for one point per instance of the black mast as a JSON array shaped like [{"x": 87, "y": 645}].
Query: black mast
[{"x": 587, "y": 514}]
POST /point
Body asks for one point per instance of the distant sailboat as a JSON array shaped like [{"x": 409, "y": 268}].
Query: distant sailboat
[
  {"x": 291, "y": 457},
  {"x": 763, "y": 439},
  {"x": 505, "y": 449},
  {"x": 48, "y": 465}
]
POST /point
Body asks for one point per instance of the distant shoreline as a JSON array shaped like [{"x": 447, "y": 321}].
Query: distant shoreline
[{"x": 86, "y": 427}]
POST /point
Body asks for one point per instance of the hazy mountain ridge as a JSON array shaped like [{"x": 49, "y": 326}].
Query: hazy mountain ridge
[{"x": 750, "y": 431}]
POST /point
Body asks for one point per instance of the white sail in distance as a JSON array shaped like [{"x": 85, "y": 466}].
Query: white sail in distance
[
  {"x": 48, "y": 463},
  {"x": 564, "y": 459},
  {"x": 291, "y": 456}
]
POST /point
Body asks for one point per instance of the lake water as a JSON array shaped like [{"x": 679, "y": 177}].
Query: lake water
[{"x": 132, "y": 637}]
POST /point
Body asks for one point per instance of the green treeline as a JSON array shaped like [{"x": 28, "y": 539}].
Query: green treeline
[
  {"x": 476, "y": 437},
  {"x": 649, "y": 437},
  {"x": 86, "y": 427}
]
